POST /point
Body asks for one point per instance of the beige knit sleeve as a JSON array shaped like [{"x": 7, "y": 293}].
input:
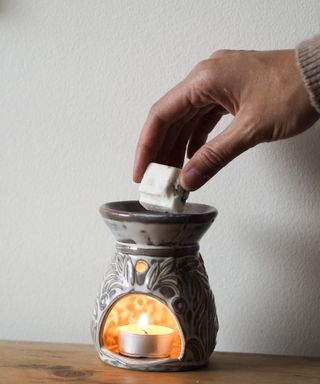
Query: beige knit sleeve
[{"x": 308, "y": 56}]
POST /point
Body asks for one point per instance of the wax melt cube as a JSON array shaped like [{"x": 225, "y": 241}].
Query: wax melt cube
[{"x": 160, "y": 191}]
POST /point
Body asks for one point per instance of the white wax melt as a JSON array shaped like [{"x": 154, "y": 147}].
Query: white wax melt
[{"x": 160, "y": 191}]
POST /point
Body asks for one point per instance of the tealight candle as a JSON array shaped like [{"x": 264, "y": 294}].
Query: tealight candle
[{"x": 144, "y": 340}]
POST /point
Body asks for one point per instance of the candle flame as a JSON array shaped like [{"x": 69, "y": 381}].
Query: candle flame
[{"x": 143, "y": 321}]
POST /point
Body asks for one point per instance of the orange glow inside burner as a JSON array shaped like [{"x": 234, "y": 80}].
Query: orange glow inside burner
[{"x": 128, "y": 310}]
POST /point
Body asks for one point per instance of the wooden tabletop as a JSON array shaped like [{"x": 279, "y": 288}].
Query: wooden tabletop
[{"x": 23, "y": 362}]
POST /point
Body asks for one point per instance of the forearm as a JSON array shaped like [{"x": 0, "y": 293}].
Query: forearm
[{"x": 308, "y": 56}]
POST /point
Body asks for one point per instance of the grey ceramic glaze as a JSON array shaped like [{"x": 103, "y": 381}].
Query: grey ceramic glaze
[{"x": 176, "y": 276}]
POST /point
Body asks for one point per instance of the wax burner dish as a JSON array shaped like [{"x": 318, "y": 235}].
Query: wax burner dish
[{"x": 157, "y": 274}]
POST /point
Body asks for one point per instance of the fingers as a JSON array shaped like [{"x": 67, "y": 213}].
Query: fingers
[
  {"x": 205, "y": 126},
  {"x": 173, "y": 149},
  {"x": 175, "y": 133},
  {"x": 217, "y": 153},
  {"x": 169, "y": 119},
  {"x": 175, "y": 157},
  {"x": 170, "y": 109},
  {"x": 176, "y": 106},
  {"x": 194, "y": 128}
]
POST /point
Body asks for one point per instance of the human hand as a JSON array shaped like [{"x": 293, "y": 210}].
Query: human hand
[{"x": 263, "y": 90}]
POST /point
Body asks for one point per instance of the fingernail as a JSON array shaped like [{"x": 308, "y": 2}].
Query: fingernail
[{"x": 191, "y": 179}]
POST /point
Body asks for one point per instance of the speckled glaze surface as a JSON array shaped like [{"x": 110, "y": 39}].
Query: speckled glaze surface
[{"x": 175, "y": 276}]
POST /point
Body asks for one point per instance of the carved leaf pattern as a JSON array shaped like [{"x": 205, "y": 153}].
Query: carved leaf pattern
[
  {"x": 130, "y": 273},
  {"x": 153, "y": 275},
  {"x": 202, "y": 320},
  {"x": 119, "y": 278},
  {"x": 94, "y": 322}
]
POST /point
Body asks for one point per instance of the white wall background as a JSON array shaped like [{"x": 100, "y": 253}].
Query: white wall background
[{"x": 76, "y": 81}]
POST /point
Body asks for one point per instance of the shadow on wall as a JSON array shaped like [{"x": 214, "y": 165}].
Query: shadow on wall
[
  {"x": 292, "y": 244},
  {"x": 5, "y": 6},
  {"x": 290, "y": 313},
  {"x": 307, "y": 151}
]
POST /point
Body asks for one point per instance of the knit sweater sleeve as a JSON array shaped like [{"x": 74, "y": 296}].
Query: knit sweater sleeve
[{"x": 308, "y": 57}]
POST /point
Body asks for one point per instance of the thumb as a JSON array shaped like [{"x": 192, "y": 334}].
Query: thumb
[{"x": 218, "y": 152}]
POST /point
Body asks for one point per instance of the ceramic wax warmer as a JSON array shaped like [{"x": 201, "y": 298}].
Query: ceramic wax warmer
[{"x": 155, "y": 309}]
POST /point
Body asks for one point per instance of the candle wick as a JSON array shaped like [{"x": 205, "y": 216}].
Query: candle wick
[{"x": 145, "y": 332}]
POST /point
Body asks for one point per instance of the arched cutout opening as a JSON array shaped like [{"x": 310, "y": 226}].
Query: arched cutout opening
[{"x": 128, "y": 309}]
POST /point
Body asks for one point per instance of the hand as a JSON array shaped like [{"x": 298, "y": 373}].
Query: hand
[{"x": 265, "y": 93}]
